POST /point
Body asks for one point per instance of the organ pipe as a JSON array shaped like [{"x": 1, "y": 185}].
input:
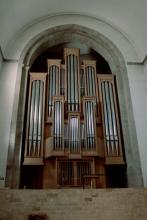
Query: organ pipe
[
  {"x": 58, "y": 121},
  {"x": 62, "y": 81},
  {"x": 90, "y": 77},
  {"x": 35, "y": 117},
  {"x": 82, "y": 82},
  {"x": 110, "y": 115},
  {"x": 73, "y": 78},
  {"x": 53, "y": 83},
  {"x": 89, "y": 115},
  {"x": 74, "y": 133}
]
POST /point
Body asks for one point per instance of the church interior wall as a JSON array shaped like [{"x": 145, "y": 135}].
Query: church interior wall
[
  {"x": 7, "y": 88},
  {"x": 1, "y": 59},
  {"x": 136, "y": 76},
  {"x": 138, "y": 89}
]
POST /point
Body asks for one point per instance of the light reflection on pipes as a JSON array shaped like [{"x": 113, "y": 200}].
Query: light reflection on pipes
[
  {"x": 35, "y": 119},
  {"x": 111, "y": 133}
]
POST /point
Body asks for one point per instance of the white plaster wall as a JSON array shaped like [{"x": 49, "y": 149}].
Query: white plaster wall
[
  {"x": 127, "y": 16},
  {"x": 1, "y": 60},
  {"x": 145, "y": 69},
  {"x": 7, "y": 86},
  {"x": 24, "y": 36},
  {"x": 137, "y": 75}
]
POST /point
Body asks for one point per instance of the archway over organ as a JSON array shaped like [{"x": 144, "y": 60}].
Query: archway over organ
[
  {"x": 73, "y": 133},
  {"x": 28, "y": 62}
]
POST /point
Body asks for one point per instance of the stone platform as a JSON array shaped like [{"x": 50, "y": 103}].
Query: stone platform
[{"x": 73, "y": 204}]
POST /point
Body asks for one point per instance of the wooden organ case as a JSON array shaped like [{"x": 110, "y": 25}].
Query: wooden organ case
[{"x": 73, "y": 128}]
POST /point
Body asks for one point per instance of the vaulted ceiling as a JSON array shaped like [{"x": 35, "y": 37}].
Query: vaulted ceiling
[{"x": 129, "y": 16}]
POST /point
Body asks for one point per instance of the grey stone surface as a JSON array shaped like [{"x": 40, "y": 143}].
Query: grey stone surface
[{"x": 71, "y": 204}]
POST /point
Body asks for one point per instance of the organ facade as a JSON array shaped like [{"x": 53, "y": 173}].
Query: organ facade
[{"x": 73, "y": 132}]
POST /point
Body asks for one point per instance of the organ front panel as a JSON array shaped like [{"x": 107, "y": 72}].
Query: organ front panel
[
  {"x": 58, "y": 123},
  {"x": 35, "y": 120},
  {"x": 73, "y": 125},
  {"x": 74, "y": 133},
  {"x": 113, "y": 142},
  {"x": 53, "y": 84},
  {"x": 89, "y": 105},
  {"x": 72, "y": 79}
]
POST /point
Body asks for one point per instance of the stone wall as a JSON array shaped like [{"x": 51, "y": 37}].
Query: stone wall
[
  {"x": 74, "y": 204},
  {"x": 7, "y": 89}
]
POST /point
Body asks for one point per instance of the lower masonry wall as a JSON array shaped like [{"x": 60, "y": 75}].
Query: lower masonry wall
[{"x": 73, "y": 204}]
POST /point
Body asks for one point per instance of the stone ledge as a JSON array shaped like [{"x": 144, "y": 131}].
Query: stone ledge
[{"x": 71, "y": 204}]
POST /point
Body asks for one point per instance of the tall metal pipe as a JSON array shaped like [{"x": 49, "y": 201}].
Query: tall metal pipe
[
  {"x": 55, "y": 127},
  {"x": 90, "y": 82},
  {"x": 69, "y": 82},
  {"x": 34, "y": 121},
  {"x": 37, "y": 135},
  {"x": 76, "y": 83},
  {"x": 114, "y": 118},
  {"x": 57, "y": 124},
  {"x": 86, "y": 112},
  {"x": 40, "y": 116},
  {"x": 78, "y": 147},
  {"x": 105, "y": 117},
  {"x": 31, "y": 117},
  {"x": 56, "y": 80},
  {"x": 90, "y": 123},
  {"x": 50, "y": 91},
  {"x": 59, "y": 135},
  {"x": 60, "y": 124},
  {"x": 93, "y": 80},
  {"x": 72, "y": 81},
  {"x": 109, "y": 116},
  {"x": 73, "y": 139},
  {"x": 76, "y": 131},
  {"x": 87, "y": 81}
]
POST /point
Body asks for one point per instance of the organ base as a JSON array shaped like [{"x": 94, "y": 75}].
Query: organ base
[{"x": 60, "y": 172}]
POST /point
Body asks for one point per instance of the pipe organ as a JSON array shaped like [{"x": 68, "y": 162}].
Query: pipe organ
[{"x": 73, "y": 125}]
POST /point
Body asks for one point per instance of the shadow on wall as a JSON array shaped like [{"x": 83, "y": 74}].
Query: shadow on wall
[{"x": 38, "y": 217}]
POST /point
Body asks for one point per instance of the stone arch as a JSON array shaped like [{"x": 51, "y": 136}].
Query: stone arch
[{"x": 105, "y": 47}]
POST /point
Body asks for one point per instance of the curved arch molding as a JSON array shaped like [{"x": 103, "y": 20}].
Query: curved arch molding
[
  {"x": 18, "y": 42},
  {"x": 54, "y": 36}
]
